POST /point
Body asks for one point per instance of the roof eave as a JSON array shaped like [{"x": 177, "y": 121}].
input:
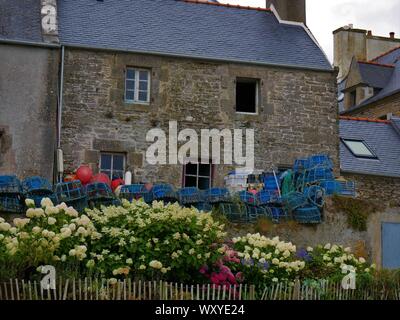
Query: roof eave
[
  {"x": 197, "y": 57},
  {"x": 369, "y": 174}
]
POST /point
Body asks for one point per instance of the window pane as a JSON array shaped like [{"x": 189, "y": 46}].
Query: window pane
[
  {"x": 204, "y": 183},
  {"x": 359, "y": 148},
  {"x": 204, "y": 170},
  {"x": 130, "y": 95},
  {"x": 130, "y": 73},
  {"x": 143, "y": 75},
  {"x": 143, "y": 85},
  {"x": 191, "y": 169},
  {"x": 105, "y": 162},
  {"x": 190, "y": 182},
  {"x": 118, "y": 162},
  {"x": 143, "y": 96},
  {"x": 130, "y": 84}
]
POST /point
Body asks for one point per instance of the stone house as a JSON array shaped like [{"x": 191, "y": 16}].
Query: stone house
[{"x": 130, "y": 67}]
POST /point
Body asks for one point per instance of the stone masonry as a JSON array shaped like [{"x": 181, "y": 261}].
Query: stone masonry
[{"x": 297, "y": 115}]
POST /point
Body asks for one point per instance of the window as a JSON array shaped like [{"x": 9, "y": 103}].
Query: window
[
  {"x": 137, "y": 85},
  {"x": 359, "y": 148},
  {"x": 197, "y": 175},
  {"x": 246, "y": 95},
  {"x": 353, "y": 98},
  {"x": 113, "y": 165}
]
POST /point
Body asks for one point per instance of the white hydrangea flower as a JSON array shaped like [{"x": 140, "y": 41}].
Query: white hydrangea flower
[
  {"x": 46, "y": 202},
  {"x": 30, "y": 203}
]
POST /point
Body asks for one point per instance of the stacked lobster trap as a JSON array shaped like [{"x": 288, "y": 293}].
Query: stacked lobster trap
[
  {"x": 37, "y": 188},
  {"x": 11, "y": 195}
]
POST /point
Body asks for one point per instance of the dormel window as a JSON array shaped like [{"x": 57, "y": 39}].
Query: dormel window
[
  {"x": 112, "y": 164},
  {"x": 247, "y": 97},
  {"x": 359, "y": 148},
  {"x": 137, "y": 85}
]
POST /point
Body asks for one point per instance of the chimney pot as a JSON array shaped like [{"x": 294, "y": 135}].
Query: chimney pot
[
  {"x": 392, "y": 35},
  {"x": 369, "y": 33}
]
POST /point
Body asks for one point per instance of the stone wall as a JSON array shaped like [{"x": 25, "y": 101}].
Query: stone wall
[
  {"x": 28, "y": 110},
  {"x": 384, "y": 189},
  {"x": 379, "y": 109},
  {"x": 297, "y": 114}
]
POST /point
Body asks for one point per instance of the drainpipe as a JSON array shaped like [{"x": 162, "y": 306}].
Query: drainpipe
[{"x": 60, "y": 168}]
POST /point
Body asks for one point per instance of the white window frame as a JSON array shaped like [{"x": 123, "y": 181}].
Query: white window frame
[
  {"x": 112, "y": 154},
  {"x": 197, "y": 175},
  {"x": 137, "y": 82},
  {"x": 257, "y": 81}
]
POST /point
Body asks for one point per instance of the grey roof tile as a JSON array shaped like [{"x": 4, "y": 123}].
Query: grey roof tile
[
  {"x": 376, "y": 76},
  {"x": 389, "y": 57},
  {"x": 383, "y": 140},
  {"x": 188, "y": 29}
]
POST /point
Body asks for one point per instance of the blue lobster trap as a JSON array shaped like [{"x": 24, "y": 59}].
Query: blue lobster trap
[
  {"x": 136, "y": 192},
  {"x": 37, "y": 188},
  {"x": 248, "y": 198},
  {"x": 255, "y": 212},
  {"x": 278, "y": 214},
  {"x": 11, "y": 203},
  {"x": 315, "y": 195},
  {"x": 164, "y": 192},
  {"x": 100, "y": 194},
  {"x": 308, "y": 215},
  {"x": 190, "y": 195},
  {"x": 10, "y": 184},
  {"x": 270, "y": 183},
  {"x": 347, "y": 188},
  {"x": 73, "y": 194},
  {"x": 331, "y": 187},
  {"x": 294, "y": 200},
  {"x": 320, "y": 160},
  {"x": 203, "y": 206},
  {"x": 300, "y": 165},
  {"x": 216, "y": 195},
  {"x": 234, "y": 212},
  {"x": 318, "y": 173}
]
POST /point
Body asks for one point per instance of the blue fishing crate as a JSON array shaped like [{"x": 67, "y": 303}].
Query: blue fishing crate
[
  {"x": 10, "y": 184},
  {"x": 164, "y": 192},
  {"x": 70, "y": 191},
  {"x": 135, "y": 192},
  {"x": 308, "y": 215},
  {"x": 37, "y": 185},
  {"x": 190, "y": 195},
  {"x": 216, "y": 195},
  {"x": 315, "y": 195},
  {"x": 331, "y": 187},
  {"x": 11, "y": 203},
  {"x": 79, "y": 204},
  {"x": 255, "y": 212},
  {"x": 265, "y": 197},
  {"x": 347, "y": 188},
  {"x": 278, "y": 214},
  {"x": 99, "y": 190},
  {"x": 294, "y": 200},
  {"x": 319, "y": 173},
  {"x": 320, "y": 160},
  {"x": 248, "y": 198},
  {"x": 300, "y": 165},
  {"x": 270, "y": 183},
  {"x": 37, "y": 197}
]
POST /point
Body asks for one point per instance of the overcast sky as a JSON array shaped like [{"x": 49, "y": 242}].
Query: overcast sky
[{"x": 324, "y": 16}]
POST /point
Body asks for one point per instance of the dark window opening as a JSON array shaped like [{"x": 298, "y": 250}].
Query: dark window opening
[
  {"x": 353, "y": 98},
  {"x": 197, "y": 175},
  {"x": 246, "y": 95},
  {"x": 113, "y": 165}
]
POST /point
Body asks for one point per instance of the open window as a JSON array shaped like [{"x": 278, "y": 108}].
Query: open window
[
  {"x": 359, "y": 148},
  {"x": 247, "y": 95}
]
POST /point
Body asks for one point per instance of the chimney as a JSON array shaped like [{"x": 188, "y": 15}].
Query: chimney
[
  {"x": 49, "y": 21},
  {"x": 291, "y": 10},
  {"x": 391, "y": 35},
  {"x": 369, "y": 34}
]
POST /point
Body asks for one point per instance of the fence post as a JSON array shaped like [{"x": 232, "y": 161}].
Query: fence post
[
  {"x": 296, "y": 290},
  {"x": 252, "y": 292}
]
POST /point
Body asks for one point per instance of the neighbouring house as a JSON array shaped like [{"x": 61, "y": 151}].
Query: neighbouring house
[
  {"x": 370, "y": 156},
  {"x": 29, "y": 60},
  {"x": 131, "y": 66}
]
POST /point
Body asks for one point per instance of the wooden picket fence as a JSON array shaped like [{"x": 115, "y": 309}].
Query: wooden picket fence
[{"x": 96, "y": 289}]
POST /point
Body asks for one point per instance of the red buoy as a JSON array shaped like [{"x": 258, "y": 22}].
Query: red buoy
[
  {"x": 84, "y": 174},
  {"x": 116, "y": 183},
  {"x": 102, "y": 177}
]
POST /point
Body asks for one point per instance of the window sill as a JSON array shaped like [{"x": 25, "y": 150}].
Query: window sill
[
  {"x": 136, "y": 106},
  {"x": 247, "y": 113}
]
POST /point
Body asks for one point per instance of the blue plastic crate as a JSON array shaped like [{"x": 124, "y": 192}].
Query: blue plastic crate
[
  {"x": 10, "y": 184},
  {"x": 189, "y": 196},
  {"x": 11, "y": 203},
  {"x": 347, "y": 188},
  {"x": 315, "y": 195},
  {"x": 164, "y": 192},
  {"x": 270, "y": 183},
  {"x": 70, "y": 191},
  {"x": 36, "y": 185},
  {"x": 248, "y": 198},
  {"x": 308, "y": 215},
  {"x": 320, "y": 160},
  {"x": 294, "y": 200},
  {"x": 265, "y": 197},
  {"x": 216, "y": 195}
]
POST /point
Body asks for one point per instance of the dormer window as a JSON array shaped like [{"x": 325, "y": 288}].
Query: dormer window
[
  {"x": 353, "y": 98},
  {"x": 359, "y": 148}
]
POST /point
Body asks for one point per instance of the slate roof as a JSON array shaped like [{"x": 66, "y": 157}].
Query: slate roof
[
  {"x": 389, "y": 57},
  {"x": 182, "y": 28},
  {"x": 376, "y": 76},
  {"x": 20, "y": 20},
  {"x": 383, "y": 140}
]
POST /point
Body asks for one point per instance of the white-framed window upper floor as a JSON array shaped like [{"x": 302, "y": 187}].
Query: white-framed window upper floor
[{"x": 137, "y": 85}]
